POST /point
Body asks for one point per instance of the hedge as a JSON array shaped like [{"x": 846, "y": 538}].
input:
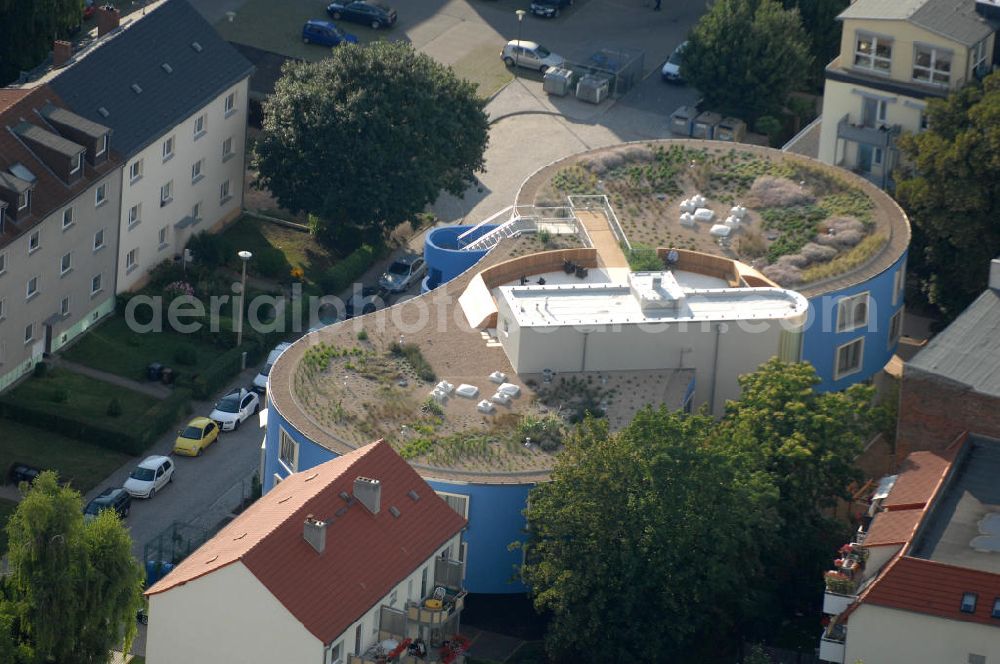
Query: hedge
[
  {"x": 347, "y": 271},
  {"x": 133, "y": 438},
  {"x": 222, "y": 370}
]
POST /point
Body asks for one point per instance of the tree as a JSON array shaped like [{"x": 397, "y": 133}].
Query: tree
[
  {"x": 819, "y": 20},
  {"x": 746, "y": 56},
  {"x": 369, "y": 137},
  {"x": 28, "y": 30},
  {"x": 75, "y": 585},
  {"x": 951, "y": 190},
  {"x": 642, "y": 540}
]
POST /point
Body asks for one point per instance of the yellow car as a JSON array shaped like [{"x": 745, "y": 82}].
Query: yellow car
[{"x": 196, "y": 436}]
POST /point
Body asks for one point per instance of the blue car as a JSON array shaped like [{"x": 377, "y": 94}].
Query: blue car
[{"x": 325, "y": 33}]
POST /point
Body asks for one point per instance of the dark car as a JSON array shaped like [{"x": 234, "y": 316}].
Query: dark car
[
  {"x": 325, "y": 33},
  {"x": 110, "y": 499},
  {"x": 372, "y": 14},
  {"x": 548, "y": 8}
]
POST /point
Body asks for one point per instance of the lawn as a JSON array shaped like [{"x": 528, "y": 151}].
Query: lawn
[
  {"x": 7, "y": 508},
  {"x": 83, "y": 464},
  {"x": 82, "y": 398},
  {"x": 114, "y": 348},
  {"x": 299, "y": 248},
  {"x": 483, "y": 67}
]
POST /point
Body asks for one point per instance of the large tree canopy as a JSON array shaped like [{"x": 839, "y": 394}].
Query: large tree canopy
[
  {"x": 74, "y": 586},
  {"x": 27, "y": 30},
  {"x": 655, "y": 538},
  {"x": 952, "y": 194},
  {"x": 746, "y": 56},
  {"x": 819, "y": 19},
  {"x": 369, "y": 136}
]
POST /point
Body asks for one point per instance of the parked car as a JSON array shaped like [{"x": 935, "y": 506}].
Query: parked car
[
  {"x": 193, "y": 439},
  {"x": 22, "y": 472},
  {"x": 325, "y": 33},
  {"x": 671, "y": 72},
  {"x": 529, "y": 54},
  {"x": 402, "y": 274},
  {"x": 152, "y": 474},
  {"x": 233, "y": 408},
  {"x": 110, "y": 499},
  {"x": 373, "y": 14},
  {"x": 548, "y": 8},
  {"x": 371, "y": 298},
  {"x": 260, "y": 380}
]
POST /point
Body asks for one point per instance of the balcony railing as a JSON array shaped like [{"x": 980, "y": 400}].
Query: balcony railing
[
  {"x": 834, "y": 603},
  {"x": 433, "y": 611},
  {"x": 854, "y": 130}
]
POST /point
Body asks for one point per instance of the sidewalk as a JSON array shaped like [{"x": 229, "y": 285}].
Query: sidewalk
[{"x": 155, "y": 390}]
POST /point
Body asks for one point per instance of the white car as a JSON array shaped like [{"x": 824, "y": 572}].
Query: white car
[
  {"x": 530, "y": 55},
  {"x": 402, "y": 274},
  {"x": 233, "y": 408},
  {"x": 152, "y": 474},
  {"x": 260, "y": 380},
  {"x": 671, "y": 72}
]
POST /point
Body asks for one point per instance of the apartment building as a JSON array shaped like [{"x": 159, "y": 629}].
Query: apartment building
[
  {"x": 896, "y": 55},
  {"x": 175, "y": 95},
  {"x": 59, "y": 208}
]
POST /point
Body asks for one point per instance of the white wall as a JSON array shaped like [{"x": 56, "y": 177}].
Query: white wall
[
  {"x": 878, "y": 635},
  {"x": 156, "y": 172},
  {"x": 225, "y": 616}
]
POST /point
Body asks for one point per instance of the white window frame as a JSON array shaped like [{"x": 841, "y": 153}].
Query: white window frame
[
  {"x": 34, "y": 242},
  {"x": 224, "y": 192},
  {"x": 168, "y": 148},
  {"x": 285, "y": 438},
  {"x": 227, "y": 148},
  {"x": 870, "y": 61},
  {"x": 131, "y": 260},
  {"x": 67, "y": 219},
  {"x": 134, "y": 215},
  {"x": 29, "y": 333},
  {"x": 24, "y": 196},
  {"x": 838, "y": 372},
  {"x": 229, "y": 104},
  {"x": 196, "y": 211},
  {"x": 895, "y": 328},
  {"x": 931, "y": 70},
  {"x": 31, "y": 288},
  {"x": 462, "y": 497},
  {"x": 79, "y": 164},
  {"x": 166, "y": 193},
  {"x": 66, "y": 263},
  {"x": 64, "y": 307},
  {"x": 99, "y": 278},
  {"x": 200, "y": 124},
  {"x": 99, "y": 234},
  {"x": 135, "y": 171},
  {"x": 336, "y": 655},
  {"x": 196, "y": 168},
  {"x": 978, "y": 57},
  {"x": 101, "y": 194},
  {"x": 103, "y": 147},
  {"x": 847, "y": 308},
  {"x": 163, "y": 238}
]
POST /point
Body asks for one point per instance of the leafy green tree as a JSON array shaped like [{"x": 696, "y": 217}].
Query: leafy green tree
[
  {"x": 951, "y": 190},
  {"x": 819, "y": 19},
  {"x": 368, "y": 137},
  {"x": 75, "y": 585},
  {"x": 643, "y": 539},
  {"x": 746, "y": 56},
  {"x": 28, "y": 30}
]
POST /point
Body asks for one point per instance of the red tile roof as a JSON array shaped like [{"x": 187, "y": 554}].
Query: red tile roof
[
  {"x": 926, "y": 586},
  {"x": 895, "y": 527},
  {"x": 366, "y": 555},
  {"x": 919, "y": 476}
]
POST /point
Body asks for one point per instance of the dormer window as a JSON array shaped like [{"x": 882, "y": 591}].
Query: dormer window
[
  {"x": 24, "y": 200},
  {"x": 102, "y": 145},
  {"x": 77, "y": 164}
]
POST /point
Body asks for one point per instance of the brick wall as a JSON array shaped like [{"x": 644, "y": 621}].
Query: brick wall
[{"x": 933, "y": 411}]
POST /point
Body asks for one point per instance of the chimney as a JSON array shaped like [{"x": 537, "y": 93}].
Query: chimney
[
  {"x": 62, "y": 51},
  {"x": 369, "y": 493},
  {"x": 995, "y": 274},
  {"x": 314, "y": 532},
  {"x": 107, "y": 19}
]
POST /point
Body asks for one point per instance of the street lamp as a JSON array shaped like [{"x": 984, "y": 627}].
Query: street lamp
[
  {"x": 245, "y": 256},
  {"x": 520, "y": 21}
]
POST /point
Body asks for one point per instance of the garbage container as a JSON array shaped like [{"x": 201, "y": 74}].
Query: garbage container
[
  {"x": 154, "y": 371},
  {"x": 168, "y": 376}
]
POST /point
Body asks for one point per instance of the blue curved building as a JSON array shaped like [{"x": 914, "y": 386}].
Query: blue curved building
[{"x": 850, "y": 332}]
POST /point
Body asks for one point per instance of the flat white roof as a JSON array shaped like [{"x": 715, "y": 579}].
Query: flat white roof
[{"x": 648, "y": 298}]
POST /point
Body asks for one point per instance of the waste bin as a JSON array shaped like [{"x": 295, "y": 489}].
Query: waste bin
[
  {"x": 168, "y": 376},
  {"x": 154, "y": 371},
  {"x": 704, "y": 125},
  {"x": 731, "y": 129},
  {"x": 558, "y": 81},
  {"x": 681, "y": 119}
]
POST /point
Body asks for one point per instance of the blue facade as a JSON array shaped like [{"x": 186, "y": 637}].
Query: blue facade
[
  {"x": 821, "y": 341},
  {"x": 495, "y": 518},
  {"x": 445, "y": 260}
]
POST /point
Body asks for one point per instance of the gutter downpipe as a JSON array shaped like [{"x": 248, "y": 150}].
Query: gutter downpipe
[{"x": 715, "y": 370}]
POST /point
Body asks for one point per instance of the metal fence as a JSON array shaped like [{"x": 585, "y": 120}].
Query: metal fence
[
  {"x": 621, "y": 66},
  {"x": 174, "y": 543}
]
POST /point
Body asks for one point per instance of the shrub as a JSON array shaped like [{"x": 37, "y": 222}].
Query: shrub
[
  {"x": 432, "y": 407},
  {"x": 362, "y": 335},
  {"x": 817, "y": 253},
  {"x": 59, "y": 395},
  {"x": 544, "y": 237},
  {"x": 270, "y": 263},
  {"x": 768, "y": 125},
  {"x": 114, "y": 407},
  {"x": 752, "y": 244},
  {"x": 768, "y": 191},
  {"x": 643, "y": 258},
  {"x": 339, "y": 277},
  {"x": 40, "y": 370},
  {"x": 846, "y": 261},
  {"x": 210, "y": 249},
  {"x": 186, "y": 355},
  {"x": 411, "y": 353}
]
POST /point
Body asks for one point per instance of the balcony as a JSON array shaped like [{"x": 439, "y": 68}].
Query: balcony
[
  {"x": 854, "y": 130},
  {"x": 834, "y": 603},
  {"x": 831, "y": 647},
  {"x": 437, "y": 610}
]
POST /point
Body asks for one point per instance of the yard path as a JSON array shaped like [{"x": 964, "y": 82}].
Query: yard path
[
  {"x": 609, "y": 254},
  {"x": 155, "y": 390}
]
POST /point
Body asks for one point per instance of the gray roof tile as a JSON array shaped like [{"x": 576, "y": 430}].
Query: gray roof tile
[
  {"x": 135, "y": 55},
  {"x": 956, "y": 20}
]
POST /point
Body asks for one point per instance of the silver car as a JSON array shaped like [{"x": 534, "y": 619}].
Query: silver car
[{"x": 530, "y": 55}]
